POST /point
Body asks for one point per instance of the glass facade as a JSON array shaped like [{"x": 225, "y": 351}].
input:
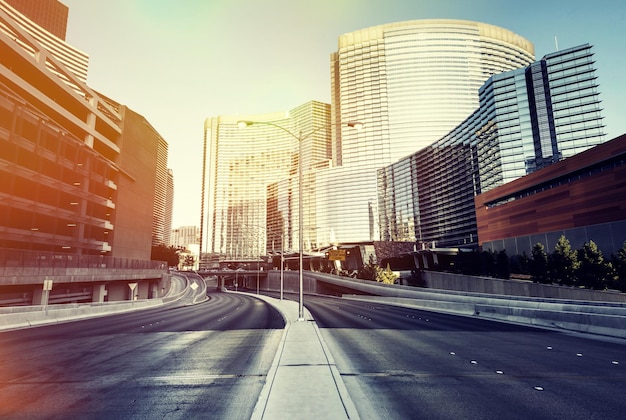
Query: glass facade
[
  {"x": 346, "y": 205},
  {"x": 409, "y": 83},
  {"x": 609, "y": 237},
  {"x": 428, "y": 197},
  {"x": 545, "y": 112},
  {"x": 412, "y": 82},
  {"x": 252, "y": 181},
  {"x": 527, "y": 119},
  {"x": 574, "y": 95}
]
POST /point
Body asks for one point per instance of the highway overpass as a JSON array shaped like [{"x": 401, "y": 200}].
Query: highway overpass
[{"x": 38, "y": 278}]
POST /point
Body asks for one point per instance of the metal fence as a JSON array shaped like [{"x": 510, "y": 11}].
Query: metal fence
[{"x": 25, "y": 258}]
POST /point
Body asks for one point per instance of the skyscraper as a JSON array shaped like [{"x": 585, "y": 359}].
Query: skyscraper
[
  {"x": 539, "y": 115},
  {"x": 528, "y": 118},
  {"x": 49, "y": 14},
  {"x": 412, "y": 82},
  {"x": 46, "y": 22},
  {"x": 252, "y": 179},
  {"x": 169, "y": 207},
  {"x": 162, "y": 214},
  {"x": 409, "y": 83}
]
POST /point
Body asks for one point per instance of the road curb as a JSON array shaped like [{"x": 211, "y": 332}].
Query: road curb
[{"x": 291, "y": 317}]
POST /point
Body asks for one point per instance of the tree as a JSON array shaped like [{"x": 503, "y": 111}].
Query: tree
[
  {"x": 538, "y": 265},
  {"x": 188, "y": 261},
  {"x": 520, "y": 263},
  {"x": 372, "y": 271},
  {"x": 503, "y": 265},
  {"x": 369, "y": 270},
  {"x": 385, "y": 276},
  {"x": 468, "y": 263},
  {"x": 168, "y": 254},
  {"x": 563, "y": 263},
  {"x": 488, "y": 264},
  {"x": 619, "y": 265},
  {"x": 593, "y": 270}
]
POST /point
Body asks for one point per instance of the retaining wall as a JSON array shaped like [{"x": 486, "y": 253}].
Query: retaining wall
[{"x": 463, "y": 283}]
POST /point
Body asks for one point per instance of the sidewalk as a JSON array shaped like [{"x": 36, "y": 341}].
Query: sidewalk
[{"x": 303, "y": 381}]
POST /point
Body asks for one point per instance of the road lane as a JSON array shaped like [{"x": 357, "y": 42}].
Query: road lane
[
  {"x": 206, "y": 360},
  {"x": 407, "y": 363}
]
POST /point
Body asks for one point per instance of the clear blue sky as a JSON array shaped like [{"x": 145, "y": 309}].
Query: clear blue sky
[{"x": 177, "y": 62}]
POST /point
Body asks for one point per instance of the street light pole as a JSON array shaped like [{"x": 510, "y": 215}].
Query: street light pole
[
  {"x": 300, "y": 232},
  {"x": 282, "y": 261},
  {"x": 299, "y": 137}
]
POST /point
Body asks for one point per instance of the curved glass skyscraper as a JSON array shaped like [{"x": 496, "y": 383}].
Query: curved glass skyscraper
[{"x": 410, "y": 83}]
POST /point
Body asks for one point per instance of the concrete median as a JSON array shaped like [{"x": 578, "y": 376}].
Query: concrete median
[
  {"x": 30, "y": 316},
  {"x": 607, "y": 319}
]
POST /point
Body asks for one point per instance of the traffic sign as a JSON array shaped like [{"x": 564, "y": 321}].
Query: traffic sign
[{"x": 337, "y": 254}]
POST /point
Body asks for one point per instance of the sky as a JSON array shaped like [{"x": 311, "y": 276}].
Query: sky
[{"x": 177, "y": 62}]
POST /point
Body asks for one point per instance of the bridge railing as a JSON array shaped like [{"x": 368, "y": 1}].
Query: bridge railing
[{"x": 25, "y": 258}]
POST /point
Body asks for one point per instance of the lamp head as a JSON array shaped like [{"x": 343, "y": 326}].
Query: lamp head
[{"x": 244, "y": 124}]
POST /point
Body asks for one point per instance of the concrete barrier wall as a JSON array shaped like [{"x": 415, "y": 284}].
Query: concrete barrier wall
[
  {"x": 12, "y": 317},
  {"x": 606, "y": 318},
  {"x": 459, "y": 282},
  {"x": 29, "y": 316}
]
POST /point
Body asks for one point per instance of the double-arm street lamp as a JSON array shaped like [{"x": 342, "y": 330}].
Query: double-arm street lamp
[{"x": 300, "y": 137}]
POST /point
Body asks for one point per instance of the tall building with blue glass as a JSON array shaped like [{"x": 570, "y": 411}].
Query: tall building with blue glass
[
  {"x": 409, "y": 83},
  {"x": 528, "y": 118}
]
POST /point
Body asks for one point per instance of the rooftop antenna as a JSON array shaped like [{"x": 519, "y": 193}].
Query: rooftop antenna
[{"x": 556, "y": 42}]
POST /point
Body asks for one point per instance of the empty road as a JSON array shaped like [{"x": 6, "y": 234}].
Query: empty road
[
  {"x": 211, "y": 360},
  {"x": 203, "y": 361},
  {"x": 402, "y": 363}
]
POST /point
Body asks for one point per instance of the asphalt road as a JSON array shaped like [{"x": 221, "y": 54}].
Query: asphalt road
[
  {"x": 402, "y": 363},
  {"x": 203, "y": 361}
]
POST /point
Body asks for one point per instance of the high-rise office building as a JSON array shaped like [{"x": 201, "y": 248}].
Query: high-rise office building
[
  {"x": 528, "y": 118},
  {"x": 183, "y": 236},
  {"x": 412, "y": 82},
  {"x": 51, "y": 15},
  {"x": 409, "y": 83},
  {"x": 252, "y": 179},
  {"x": 161, "y": 218},
  {"x": 169, "y": 207},
  {"x": 46, "y": 22},
  {"x": 545, "y": 112}
]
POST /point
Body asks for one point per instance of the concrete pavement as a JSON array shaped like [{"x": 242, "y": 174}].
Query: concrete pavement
[{"x": 303, "y": 382}]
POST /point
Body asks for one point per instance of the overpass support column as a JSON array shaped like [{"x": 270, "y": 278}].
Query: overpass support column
[{"x": 99, "y": 292}]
